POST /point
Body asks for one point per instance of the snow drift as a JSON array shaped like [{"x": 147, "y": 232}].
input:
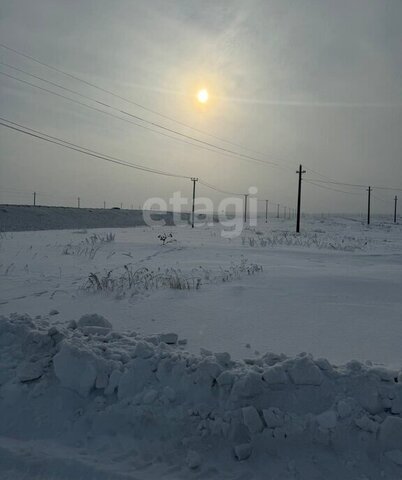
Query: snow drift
[{"x": 113, "y": 404}]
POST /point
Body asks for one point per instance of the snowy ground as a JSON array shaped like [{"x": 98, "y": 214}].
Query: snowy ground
[
  {"x": 328, "y": 301},
  {"x": 334, "y": 292}
]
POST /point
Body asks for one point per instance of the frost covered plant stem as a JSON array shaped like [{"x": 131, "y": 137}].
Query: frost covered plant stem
[{"x": 129, "y": 281}]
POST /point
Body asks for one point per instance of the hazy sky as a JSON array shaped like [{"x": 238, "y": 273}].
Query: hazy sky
[{"x": 317, "y": 82}]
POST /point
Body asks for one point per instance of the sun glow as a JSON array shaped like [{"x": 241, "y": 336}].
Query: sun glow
[{"x": 202, "y": 96}]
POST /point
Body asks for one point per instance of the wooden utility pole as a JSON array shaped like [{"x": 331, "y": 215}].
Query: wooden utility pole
[
  {"x": 277, "y": 211},
  {"x": 121, "y": 205},
  {"x": 34, "y": 195},
  {"x": 266, "y": 211},
  {"x": 284, "y": 213},
  {"x": 368, "y": 204},
  {"x": 194, "y": 180},
  {"x": 300, "y": 173},
  {"x": 78, "y": 202},
  {"x": 395, "y": 204},
  {"x": 245, "y": 207},
  {"x": 104, "y": 204}
]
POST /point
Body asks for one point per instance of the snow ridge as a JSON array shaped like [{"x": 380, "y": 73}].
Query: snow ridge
[{"x": 87, "y": 387}]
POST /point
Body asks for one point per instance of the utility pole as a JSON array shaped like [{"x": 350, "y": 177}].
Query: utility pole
[
  {"x": 368, "y": 205},
  {"x": 284, "y": 213},
  {"x": 245, "y": 207},
  {"x": 121, "y": 205},
  {"x": 104, "y": 204},
  {"x": 277, "y": 211},
  {"x": 300, "y": 172},
  {"x": 266, "y": 211},
  {"x": 78, "y": 202},
  {"x": 396, "y": 202},
  {"x": 194, "y": 180},
  {"x": 34, "y": 195}
]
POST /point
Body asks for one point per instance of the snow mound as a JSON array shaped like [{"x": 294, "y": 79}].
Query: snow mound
[{"x": 113, "y": 394}]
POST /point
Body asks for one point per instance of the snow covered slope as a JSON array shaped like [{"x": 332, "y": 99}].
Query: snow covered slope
[{"x": 16, "y": 218}]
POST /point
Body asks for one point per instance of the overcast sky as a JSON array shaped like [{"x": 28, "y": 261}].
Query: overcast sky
[{"x": 317, "y": 82}]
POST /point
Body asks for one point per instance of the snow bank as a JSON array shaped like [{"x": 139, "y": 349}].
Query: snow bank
[
  {"x": 86, "y": 386},
  {"x": 16, "y": 218}
]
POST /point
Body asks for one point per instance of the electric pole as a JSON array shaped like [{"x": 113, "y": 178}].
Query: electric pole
[
  {"x": 34, "y": 195},
  {"x": 277, "y": 211},
  {"x": 245, "y": 207},
  {"x": 300, "y": 172},
  {"x": 194, "y": 180},
  {"x": 121, "y": 205},
  {"x": 78, "y": 202},
  {"x": 284, "y": 213},
  {"x": 368, "y": 205},
  {"x": 396, "y": 202},
  {"x": 104, "y": 204},
  {"x": 266, "y": 211}
]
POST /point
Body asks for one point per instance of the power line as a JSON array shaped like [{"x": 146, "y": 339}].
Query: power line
[
  {"x": 109, "y": 92},
  {"x": 87, "y": 151},
  {"x": 212, "y": 187},
  {"x": 79, "y": 148},
  {"x": 330, "y": 188},
  {"x": 202, "y": 143},
  {"x": 355, "y": 185}
]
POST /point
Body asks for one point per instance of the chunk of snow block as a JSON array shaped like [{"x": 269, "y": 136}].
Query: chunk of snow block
[
  {"x": 94, "y": 320},
  {"x": 243, "y": 451},
  {"x": 29, "y": 371},
  {"x": 53, "y": 312},
  {"x": 95, "y": 330},
  {"x": 226, "y": 378},
  {"x": 193, "y": 460},
  {"x": 252, "y": 419},
  {"x": 327, "y": 420},
  {"x": 223, "y": 358},
  {"x": 113, "y": 382},
  {"x": 323, "y": 364},
  {"x": 169, "y": 338},
  {"x": 208, "y": 370},
  {"x": 367, "y": 424},
  {"x": 391, "y": 433},
  {"x": 369, "y": 398},
  {"x": 150, "y": 396},
  {"x": 305, "y": 372},
  {"x": 397, "y": 400},
  {"x": 75, "y": 368},
  {"x": 37, "y": 343},
  {"x": 274, "y": 417},
  {"x": 395, "y": 456},
  {"x": 344, "y": 408},
  {"x": 275, "y": 375},
  {"x": 169, "y": 393},
  {"x": 143, "y": 350},
  {"x": 249, "y": 385}
]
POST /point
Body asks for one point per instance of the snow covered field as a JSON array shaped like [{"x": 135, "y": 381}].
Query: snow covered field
[{"x": 120, "y": 401}]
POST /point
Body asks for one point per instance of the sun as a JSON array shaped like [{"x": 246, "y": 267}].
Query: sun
[{"x": 202, "y": 96}]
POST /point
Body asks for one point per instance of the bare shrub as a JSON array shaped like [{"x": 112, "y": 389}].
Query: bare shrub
[
  {"x": 130, "y": 281},
  {"x": 90, "y": 246},
  {"x": 306, "y": 239}
]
